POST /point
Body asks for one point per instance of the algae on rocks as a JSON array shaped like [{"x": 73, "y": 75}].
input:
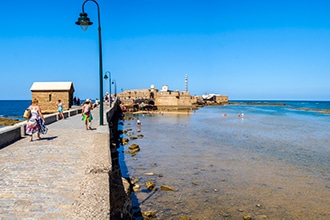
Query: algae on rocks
[{"x": 8, "y": 122}]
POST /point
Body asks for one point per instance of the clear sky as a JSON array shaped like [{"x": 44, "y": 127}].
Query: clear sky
[{"x": 246, "y": 49}]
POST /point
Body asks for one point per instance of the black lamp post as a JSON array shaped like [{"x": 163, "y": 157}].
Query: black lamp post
[
  {"x": 114, "y": 81},
  {"x": 106, "y": 77},
  {"x": 84, "y": 22}
]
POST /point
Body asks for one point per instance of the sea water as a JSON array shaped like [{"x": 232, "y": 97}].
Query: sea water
[
  {"x": 272, "y": 164},
  {"x": 13, "y": 109}
]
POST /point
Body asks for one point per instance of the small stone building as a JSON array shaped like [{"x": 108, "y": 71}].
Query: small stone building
[{"x": 48, "y": 93}]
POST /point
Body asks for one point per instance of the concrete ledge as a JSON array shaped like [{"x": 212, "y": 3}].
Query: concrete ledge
[
  {"x": 10, "y": 134},
  {"x": 51, "y": 118}
]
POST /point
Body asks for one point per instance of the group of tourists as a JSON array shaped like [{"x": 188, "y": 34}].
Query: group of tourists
[{"x": 36, "y": 121}]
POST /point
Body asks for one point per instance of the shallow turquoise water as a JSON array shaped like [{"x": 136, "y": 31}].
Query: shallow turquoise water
[{"x": 273, "y": 163}]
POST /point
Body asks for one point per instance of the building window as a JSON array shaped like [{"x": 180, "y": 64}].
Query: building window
[{"x": 50, "y": 97}]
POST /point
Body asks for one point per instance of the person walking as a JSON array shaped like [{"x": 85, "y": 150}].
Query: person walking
[
  {"x": 60, "y": 108},
  {"x": 87, "y": 114},
  {"x": 36, "y": 120}
]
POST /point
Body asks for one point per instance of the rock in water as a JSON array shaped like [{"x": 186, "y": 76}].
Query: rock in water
[
  {"x": 150, "y": 185},
  {"x": 166, "y": 188}
]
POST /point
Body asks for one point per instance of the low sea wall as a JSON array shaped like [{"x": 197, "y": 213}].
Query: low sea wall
[
  {"x": 10, "y": 134},
  {"x": 120, "y": 190}
]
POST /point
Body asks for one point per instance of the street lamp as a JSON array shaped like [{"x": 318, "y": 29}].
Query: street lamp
[
  {"x": 106, "y": 77},
  {"x": 84, "y": 22},
  {"x": 114, "y": 82}
]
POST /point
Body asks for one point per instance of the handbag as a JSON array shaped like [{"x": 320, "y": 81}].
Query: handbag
[{"x": 27, "y": 113}]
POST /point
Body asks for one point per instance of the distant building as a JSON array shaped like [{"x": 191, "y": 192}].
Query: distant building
[
  {"x": 164, "y": 98},
  {"x": 48, "y": 93},
  {"x": 215, "y": 98},
  {"x": 168, "y": 99}
]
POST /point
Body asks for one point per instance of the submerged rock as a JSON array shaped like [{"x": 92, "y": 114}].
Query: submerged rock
[
  {"x": 135, "y": 180},
  {"x": 124, "y": 141},
  {"x": 134, "y": 146},
  {"x": 148, "y": 214},
  {"x": 166, "y": 188},
  {"x": 136, "y": 187},
  {"x": 150, "y": 185},
  {"x": 133, "y": 149},
  {"x": 130, "y": 152}
]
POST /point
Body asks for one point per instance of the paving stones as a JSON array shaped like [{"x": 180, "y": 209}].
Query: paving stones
[{"x": 47, "y": 179}]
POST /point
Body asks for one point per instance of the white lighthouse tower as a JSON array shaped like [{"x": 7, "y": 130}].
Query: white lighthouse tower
[{"x": 186, "y": 83}]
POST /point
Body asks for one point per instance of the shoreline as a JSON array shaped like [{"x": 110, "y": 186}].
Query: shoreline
[
  {"x": 173, "y": 112},
  {"x": 8, "y": 122},
  {"x": 160, "y": 112}
]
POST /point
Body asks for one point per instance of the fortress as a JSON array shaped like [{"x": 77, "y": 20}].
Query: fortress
[{"x": 166, "y": 99}]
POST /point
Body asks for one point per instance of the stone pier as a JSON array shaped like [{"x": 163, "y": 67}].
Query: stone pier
[{"x": 65, "y": 175}]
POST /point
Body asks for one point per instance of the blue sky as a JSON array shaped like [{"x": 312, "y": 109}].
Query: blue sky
[{"x": 244, "y": 49}]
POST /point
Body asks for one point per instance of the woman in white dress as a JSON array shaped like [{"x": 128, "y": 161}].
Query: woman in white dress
[{"x": 36, "y": 118}]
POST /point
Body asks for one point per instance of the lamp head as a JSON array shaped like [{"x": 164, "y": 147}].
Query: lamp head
[{"x": 84, "y": 21}]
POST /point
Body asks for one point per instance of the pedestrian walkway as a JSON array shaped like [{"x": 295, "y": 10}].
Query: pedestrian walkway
[{"x": 62, "y": 176}]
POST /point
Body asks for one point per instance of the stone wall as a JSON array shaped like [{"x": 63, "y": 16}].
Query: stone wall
[
  {"x": 221, "y": 99},
  {"x": 173, "y": 98},
  {"x": 120, "y": 189},
  {"x": 47, "y": 100},
  {"x": 135, "y": 94}
]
